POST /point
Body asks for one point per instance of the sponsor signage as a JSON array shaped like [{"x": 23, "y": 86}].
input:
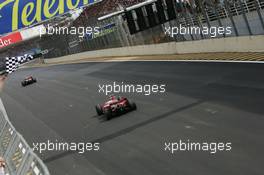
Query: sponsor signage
[
  {"x": 10, "y": 39},
  {"x": 107, "y": 29},
  {"x": 16, "y": 14}
]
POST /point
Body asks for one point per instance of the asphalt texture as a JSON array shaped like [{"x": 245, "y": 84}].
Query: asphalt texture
[{"x": 203, "y": 102}]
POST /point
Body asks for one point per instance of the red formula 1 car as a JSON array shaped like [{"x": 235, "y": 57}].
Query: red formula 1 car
[
  {"x": 115, "y": 106},
  {"x": 28, "y": 80}
]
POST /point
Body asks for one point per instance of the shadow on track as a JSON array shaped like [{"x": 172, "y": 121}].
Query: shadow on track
[{"x": 125, "y": 131}]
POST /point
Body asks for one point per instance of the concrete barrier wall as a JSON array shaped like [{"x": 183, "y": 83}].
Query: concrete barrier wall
[{"x": 230, "y": 44}]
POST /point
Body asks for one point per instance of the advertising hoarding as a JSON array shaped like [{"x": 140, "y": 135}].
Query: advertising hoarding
[{"x": 17, "y": 14}]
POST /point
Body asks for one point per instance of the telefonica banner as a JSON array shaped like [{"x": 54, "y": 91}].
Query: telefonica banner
[{"x": 16, "y": 14}]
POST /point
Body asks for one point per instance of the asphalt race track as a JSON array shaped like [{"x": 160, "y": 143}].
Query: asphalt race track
[{"x": 204, "y": 102}]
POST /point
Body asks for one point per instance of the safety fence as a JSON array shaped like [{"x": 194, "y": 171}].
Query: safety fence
[
  {"x": 19, "y": 157},
  {"x": 245, "y": 17}
]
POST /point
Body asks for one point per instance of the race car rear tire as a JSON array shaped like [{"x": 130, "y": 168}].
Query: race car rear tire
[
  {"x": 23, "y": 84},
  {"x": 34, "y": 80},
  {"x": 108, "y": 115},
  {"x": 133, "y": 105},
  {"x": 99, "y": 110}
]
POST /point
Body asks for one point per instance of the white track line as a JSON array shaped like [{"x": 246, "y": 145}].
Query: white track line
[{"x": 206, "y": 61}]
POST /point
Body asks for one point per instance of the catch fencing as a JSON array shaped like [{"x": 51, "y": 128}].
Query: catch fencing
[
  {"x": 19, "y": 157},
  {"x": 245, "y": 17}
]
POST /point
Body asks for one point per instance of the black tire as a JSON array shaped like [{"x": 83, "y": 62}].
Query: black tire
[
  {"x": 99, "y": 110},
  {"x": 23, "y": 84},
  {"x": 108, "y": 115},
  {"x": 133, "y": 105},
  {"x": 34, "y": 80}
]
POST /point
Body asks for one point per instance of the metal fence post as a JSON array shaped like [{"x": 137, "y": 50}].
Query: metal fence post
[
  {"x": 183, "y": 11},
  {"x": 218, "y": 17},
  {"x": 245, "y": 17},
  {"x": 227, "y": 6},
  {"x": 194, "y": 13},
  {"x": 257, "y": 5},
  {"x": 204, "y": 13}
]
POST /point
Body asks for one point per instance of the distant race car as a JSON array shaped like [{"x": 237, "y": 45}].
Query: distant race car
[
  {"x": 115, "y": 106},
  {"x": 28, "y": 80}
]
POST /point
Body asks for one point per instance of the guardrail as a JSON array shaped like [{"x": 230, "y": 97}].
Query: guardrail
[{"x": 19, "y": 157}]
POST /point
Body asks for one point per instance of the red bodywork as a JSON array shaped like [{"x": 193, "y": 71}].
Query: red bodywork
[{"x": 115, "y": 104}]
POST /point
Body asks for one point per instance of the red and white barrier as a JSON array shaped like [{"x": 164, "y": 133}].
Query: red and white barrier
[
  {"x": 23, "y": 35},
  {"x": 10, "y": 39}
]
